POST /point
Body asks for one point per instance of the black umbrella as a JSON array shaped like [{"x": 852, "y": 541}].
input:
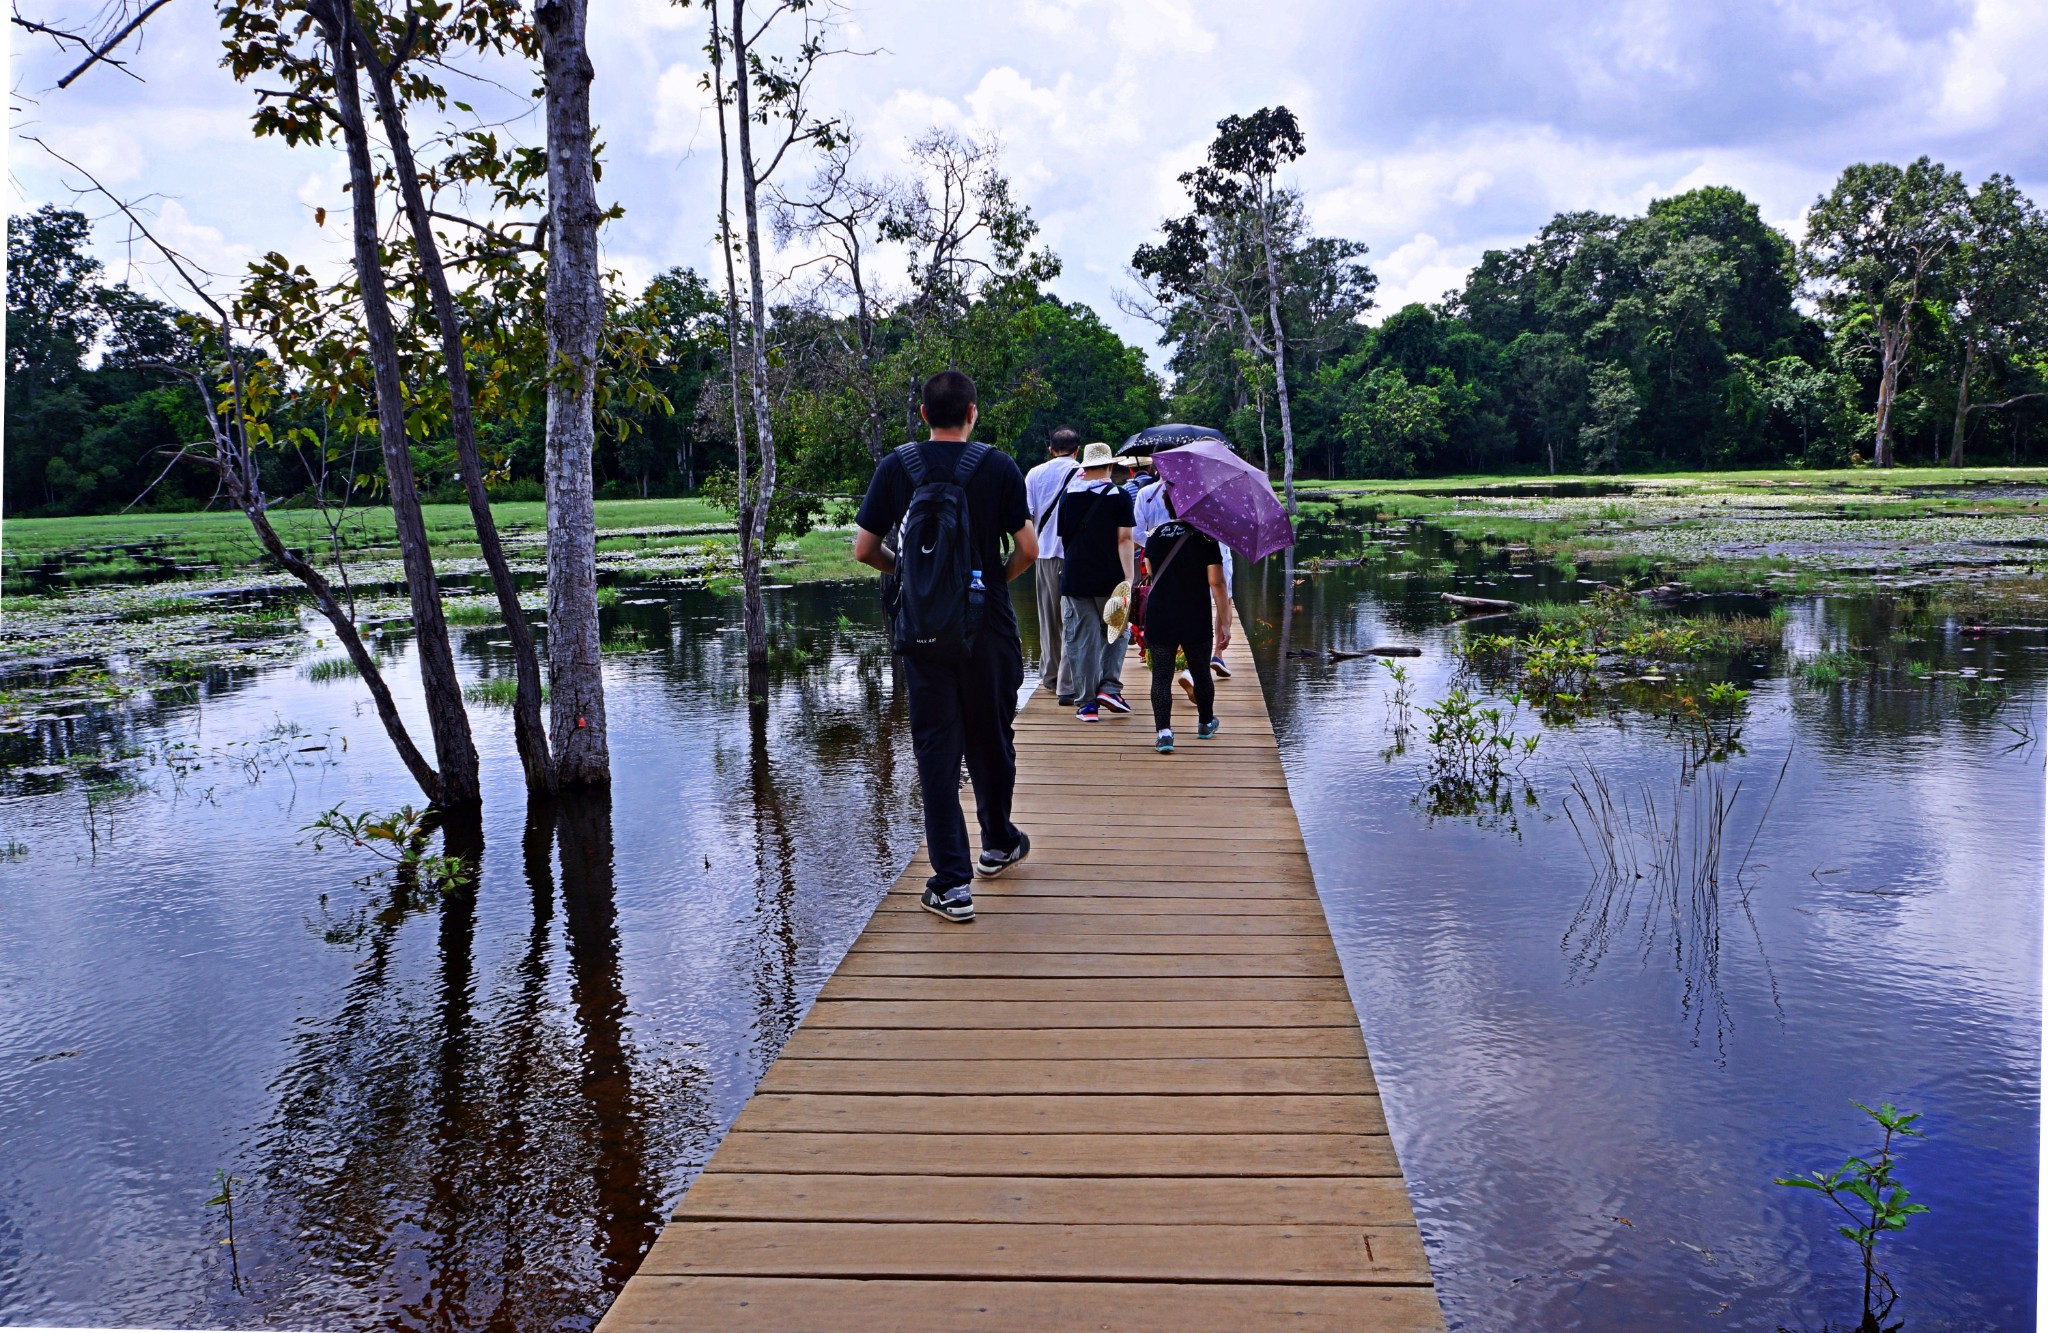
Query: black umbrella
[{"x": 1158, "y": 439}]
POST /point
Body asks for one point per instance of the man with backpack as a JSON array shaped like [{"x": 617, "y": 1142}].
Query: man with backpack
[
  {"x": 1095, "y": 528},
  {"x": 1045, "y": 486},
  {"x": 933, "y": 522}
]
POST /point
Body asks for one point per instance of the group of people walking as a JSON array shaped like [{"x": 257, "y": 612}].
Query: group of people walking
[
  {"x": 935, "y": 520},
  {"x": 1095, "y": 539}
]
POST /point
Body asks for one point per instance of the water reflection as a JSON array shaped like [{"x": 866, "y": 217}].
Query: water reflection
[
  {"x": 1594, "y": 1072},
  {"x": 464, "y": 1111}
]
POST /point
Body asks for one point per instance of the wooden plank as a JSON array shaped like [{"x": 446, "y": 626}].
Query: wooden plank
[
  {"x": 1132, "y": 1200},
  {"x": 1132, "y": 1094},
  {"x": 664, "y": 1304},
  {"x": 984, "y": 1154},
  {"x": 1073, "y": 926},
  {"x": 1112, "y": 903},
  {"x": 1243, "y": 1017},
  {"x": 1012, "y": 1077},
  {"x": 950, "y": 937},
  {"x": 1383, "y": 1255},
  {"x": 968, "y": 1039},
  {"x": 1351, "y": 1113},
  {"x": 1016, "y": 963},
  {"x": 1178, "y": 991}
]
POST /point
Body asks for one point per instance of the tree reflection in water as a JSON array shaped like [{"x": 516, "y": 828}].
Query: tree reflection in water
[{"x": 476, "y": 1153}]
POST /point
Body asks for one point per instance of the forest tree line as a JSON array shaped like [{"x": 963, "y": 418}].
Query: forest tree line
[{"x": 1695, "y": 336}]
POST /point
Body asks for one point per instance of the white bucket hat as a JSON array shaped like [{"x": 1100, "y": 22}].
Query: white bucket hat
[{"x": 1097, "y": 454}]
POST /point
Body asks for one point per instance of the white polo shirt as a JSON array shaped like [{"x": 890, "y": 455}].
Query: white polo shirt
[{"x": 1042, "y": 485}]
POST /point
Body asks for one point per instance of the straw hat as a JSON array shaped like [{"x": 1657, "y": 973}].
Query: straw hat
[
  {"x": 1116, "y": 612},
  {"x": 1097, "y": 455}
]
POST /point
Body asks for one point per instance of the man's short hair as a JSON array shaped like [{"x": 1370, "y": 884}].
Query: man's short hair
[
  {"x": 947, "y": 396},
  {"x": 1066, "y": 440}
]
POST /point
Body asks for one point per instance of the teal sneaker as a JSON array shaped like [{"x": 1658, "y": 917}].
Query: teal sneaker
[
  {"x": 1209, "y": 729},
  {"x": 1165, "y": 743}
]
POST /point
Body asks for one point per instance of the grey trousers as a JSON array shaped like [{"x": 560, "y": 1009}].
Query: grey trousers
[
  {"x": 1052, "y": 629},
  {"x": 1092, "y": 664}
]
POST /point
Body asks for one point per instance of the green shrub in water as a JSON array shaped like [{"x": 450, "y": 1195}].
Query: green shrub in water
[
  {"x": 1828, "y": 670},
  {"x": 329, "y": 669}
]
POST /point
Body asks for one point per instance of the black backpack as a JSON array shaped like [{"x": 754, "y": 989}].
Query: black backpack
[{"x": 934, "y": 608}]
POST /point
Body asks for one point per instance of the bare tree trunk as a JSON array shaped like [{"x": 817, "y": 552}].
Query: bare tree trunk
[
  {"x": 1279, "y": 354},
  {"x": 446, "y": 718},
  {"x": 575, "y": 296},
  {"x": 530, "y": 734},
  {"x": 745, "y": 507},
  {"x": 1892, "y": 339},
  {"x": 1955, "y": 448},
  {"x": 756, "y": 611}
]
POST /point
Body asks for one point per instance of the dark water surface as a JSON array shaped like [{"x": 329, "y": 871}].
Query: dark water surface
[{"x": 470, "y": 1114}]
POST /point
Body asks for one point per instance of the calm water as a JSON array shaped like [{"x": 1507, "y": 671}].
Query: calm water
[{"x": 470, "y": 1114}]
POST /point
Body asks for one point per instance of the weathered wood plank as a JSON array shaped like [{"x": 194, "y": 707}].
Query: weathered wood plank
[
  {"x": 1012, "y": 1077},
  {"x": 1128, "y": 1200},
  {"x": 1175, "y": 991},
  {"x": 967, "y": 1040},
  {"x": 1384, "y": 1255},
  {"x": 1240, "y": 1017},
  {"x": 662, "y": 1304},
  {"x": 985, "y": 1154},
  {"x": 1351, "y": 1113}
]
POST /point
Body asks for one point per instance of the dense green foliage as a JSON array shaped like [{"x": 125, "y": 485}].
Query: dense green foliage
[
  {"x": 1695, "y": 336},
  {"x": 1677, "y": 339}
]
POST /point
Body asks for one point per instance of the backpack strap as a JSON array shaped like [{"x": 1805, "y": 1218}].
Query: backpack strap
[
  {"x": 912, "y": 454},
  {"x": 971, "y": 458}
]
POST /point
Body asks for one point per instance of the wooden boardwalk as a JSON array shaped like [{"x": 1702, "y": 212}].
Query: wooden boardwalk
[{"x": 1131, "y": 1095}]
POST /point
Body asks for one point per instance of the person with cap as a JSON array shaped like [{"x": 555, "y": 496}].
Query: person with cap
[
  {"x": 1187, "y": 614},
  {"x": 961, "y": 709},
  {"x": 1095, "y": 536},
  {"x": 1045, "y": 486}
]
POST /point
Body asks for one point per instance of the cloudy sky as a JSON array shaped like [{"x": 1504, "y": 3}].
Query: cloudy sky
[{"x": 1435, "y": 131}]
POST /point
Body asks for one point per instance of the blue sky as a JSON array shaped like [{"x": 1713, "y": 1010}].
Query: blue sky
[{"x": 1435, "y": 131}]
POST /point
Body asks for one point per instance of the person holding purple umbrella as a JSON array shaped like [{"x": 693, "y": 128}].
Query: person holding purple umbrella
[{"x": 1187, "y": 614}]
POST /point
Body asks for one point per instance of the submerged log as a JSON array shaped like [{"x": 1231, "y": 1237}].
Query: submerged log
[
  {"x": 1480, "y": 603},
  {"x": 1351, "y": 654}
]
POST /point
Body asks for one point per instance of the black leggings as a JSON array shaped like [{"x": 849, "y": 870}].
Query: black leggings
[{"x": 1160, "y": 647}]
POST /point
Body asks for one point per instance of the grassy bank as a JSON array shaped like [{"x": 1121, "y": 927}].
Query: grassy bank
[{"x": 1793, "y": 530}]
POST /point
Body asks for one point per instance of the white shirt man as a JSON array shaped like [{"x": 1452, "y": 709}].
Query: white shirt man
[{"x": 1043, "y": 486}]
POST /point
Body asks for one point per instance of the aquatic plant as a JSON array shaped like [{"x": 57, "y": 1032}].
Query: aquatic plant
[
  {"x": 328, "y": 669},
  {"x": 400, "y": 840},
  {"x": 473, "y": 611},
  {"x": 1475, "y": 745},
  {"x": 1867, "y": 1192},
  {"x": 1400, "y": 699},
  {"x": 498, "y": 692},
  {"x": 224, "y": 1199},
  {"x": 609, "y": 596},
  {"x": 1827, "y": 670},
  {"x": 13, "y": 850}
]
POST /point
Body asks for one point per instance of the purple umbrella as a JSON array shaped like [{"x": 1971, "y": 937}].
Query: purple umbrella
[{"x": 1226, "y": 497}]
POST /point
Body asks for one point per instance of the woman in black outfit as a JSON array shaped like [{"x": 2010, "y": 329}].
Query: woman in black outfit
[{"x": 1187, "y": 612}]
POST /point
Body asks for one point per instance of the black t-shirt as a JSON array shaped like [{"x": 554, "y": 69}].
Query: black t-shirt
[
  {"x": 1180, "y": 596},
  {"x": 1089, "y": 520},
  {"x": 995, "y": 509}
]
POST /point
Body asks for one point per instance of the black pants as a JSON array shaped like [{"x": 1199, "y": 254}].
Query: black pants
[
  {"x": 965, "y": 711},
  {"x": 1197, "y": 641}
]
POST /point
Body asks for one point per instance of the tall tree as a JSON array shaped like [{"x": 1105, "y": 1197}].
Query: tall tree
[
  {"x": 1227, "y": 262},
  {"x": 2000, "y": 278},
  {"x": 396, "y": 54},
  {"x": 1876, "y": 252},
  {"x": 771, "y": 90},
  {"x": 575, "y": 320},
  {"x": 842, "y": 213}
]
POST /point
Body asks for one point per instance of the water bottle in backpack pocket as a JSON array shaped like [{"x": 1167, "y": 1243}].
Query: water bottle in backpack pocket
[{"x": 935, "y": 598}]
